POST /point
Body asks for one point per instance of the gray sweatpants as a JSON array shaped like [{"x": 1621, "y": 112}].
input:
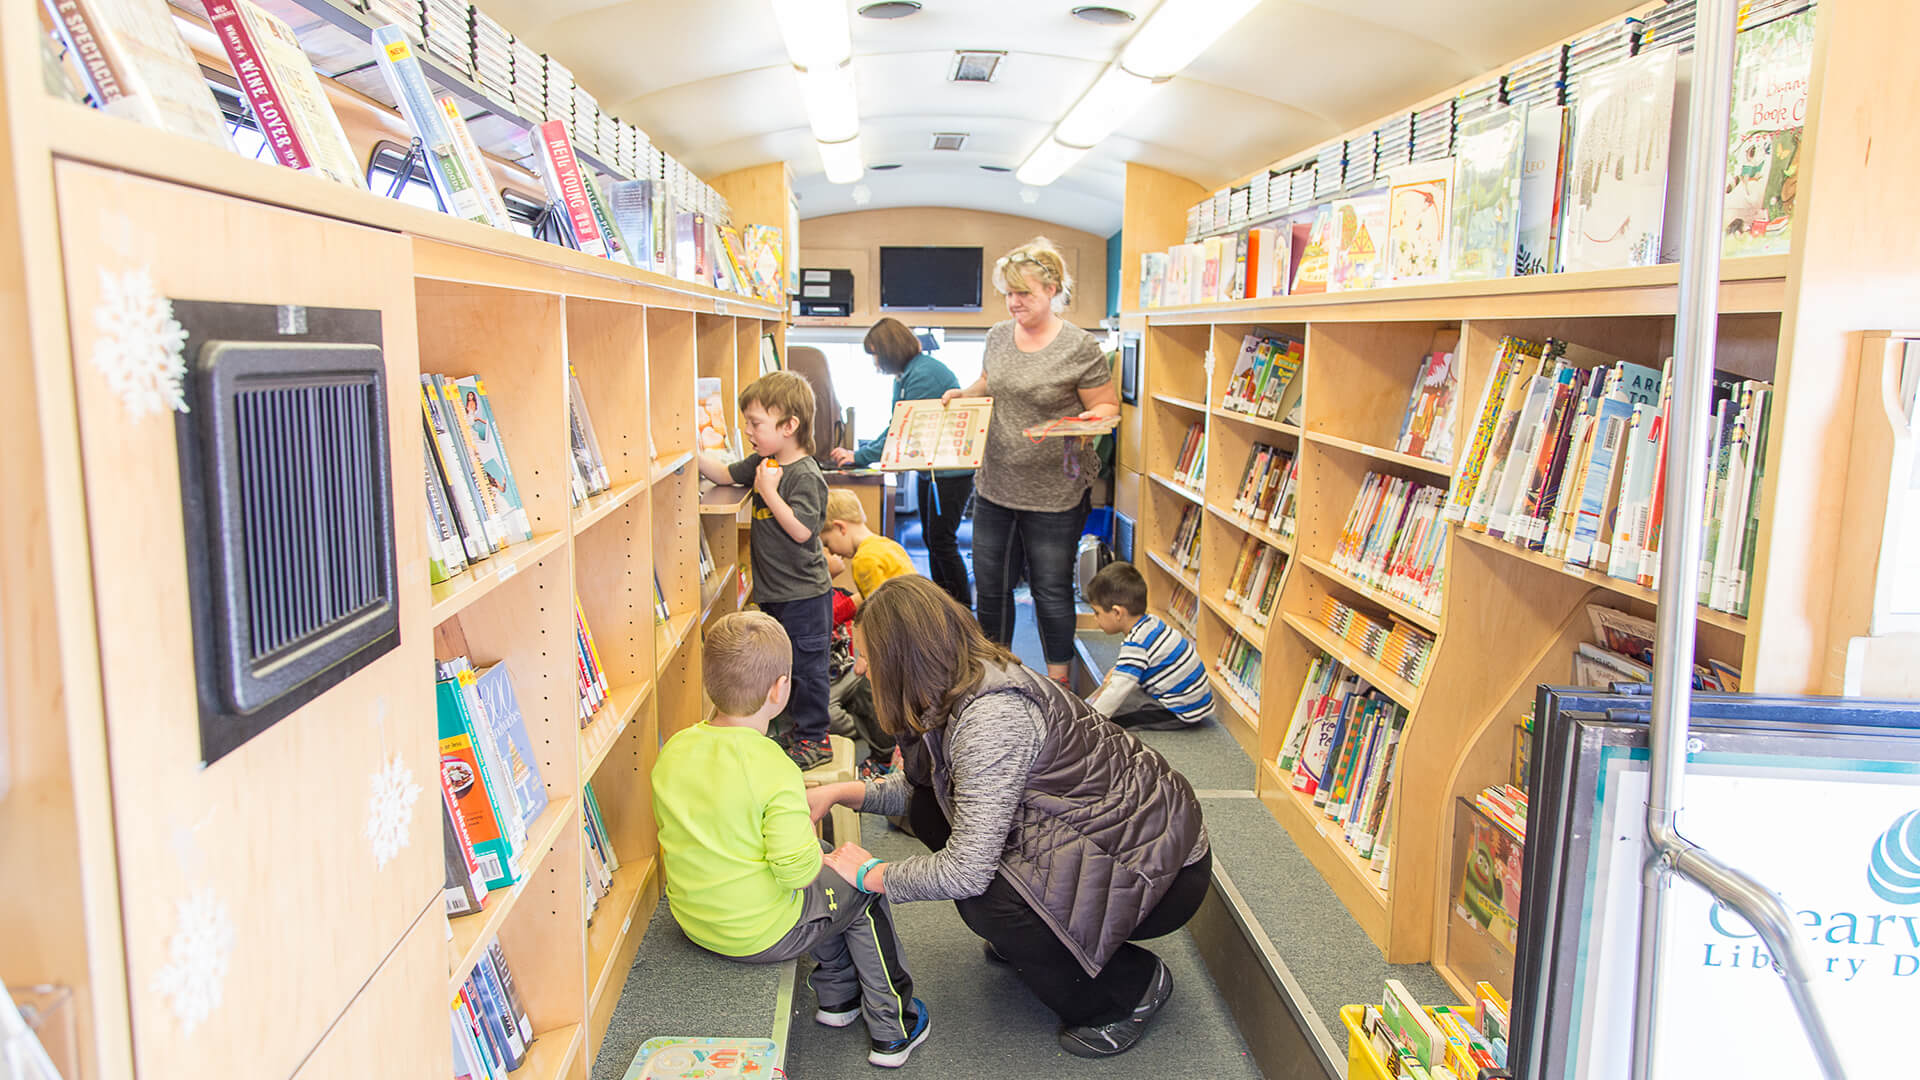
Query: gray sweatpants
[{"x": 856, "y": 952}]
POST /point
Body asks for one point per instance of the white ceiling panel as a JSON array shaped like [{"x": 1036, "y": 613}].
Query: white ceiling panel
[{"x": 709, "y": 81}]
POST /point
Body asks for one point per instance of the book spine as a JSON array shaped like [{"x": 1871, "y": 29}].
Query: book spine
[
  {"x": 475, "y": 163},
  {"x": 565, "y": 185},
  {"x": 250, "y": 69},
  {"x": 408, "y": 84}
]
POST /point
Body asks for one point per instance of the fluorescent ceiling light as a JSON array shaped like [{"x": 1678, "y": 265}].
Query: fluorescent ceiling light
[
  {"x": 1177, "y": 32},
  {"x": 832, "y": 111},
  {"x": 815, "y": 31},
  {"x": 1114, "y": 97},
  {"x": 1048, "y": 161},
  {"x": 842, "y": 160}
]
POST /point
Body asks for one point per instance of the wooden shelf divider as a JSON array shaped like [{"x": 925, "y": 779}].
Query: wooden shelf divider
[
  {"x": 598, "y": 507},
  {"x": 1633, "y": 589},
  {"x": 1441, "y": 469},
  {"x": 1274, "y": 426},
  {"x": 1187, "y": 493},
  {"x": 472, "y": 933},
  {"x": 455, "y": 594}
]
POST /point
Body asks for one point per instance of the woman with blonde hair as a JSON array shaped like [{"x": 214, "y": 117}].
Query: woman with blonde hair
[
  {"x": 1060, "y": 837},
  {"x": 942, "y": 495},
  {"x": 1031, "y": 497}
]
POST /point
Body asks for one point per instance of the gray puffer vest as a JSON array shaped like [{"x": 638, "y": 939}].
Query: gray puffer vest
[{"x": 1103, "y": 827}]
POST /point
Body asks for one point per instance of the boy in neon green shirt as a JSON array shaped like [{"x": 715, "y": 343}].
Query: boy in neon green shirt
[{"x": 743, "y": 867}]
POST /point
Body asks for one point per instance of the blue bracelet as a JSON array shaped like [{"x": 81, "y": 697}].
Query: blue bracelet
[{"x": 860, "y": 875}]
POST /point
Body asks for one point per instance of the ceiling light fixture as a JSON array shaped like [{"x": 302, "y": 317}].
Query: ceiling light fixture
[
  {"x": 1048, "y": 161},
  {"x": 1101, "y": 15},
  {"x": 827, "y": 94},
  {"x": 1116, "y": 95},
  {"x": 1177, "y": 32},
  {"x": 997, "y": 168},
  {"x": 889, "y": 9},
  {"x": 841, "y": 160},
  {"x": 815, "y": 31},
  {"x": 888, "y": 167}
]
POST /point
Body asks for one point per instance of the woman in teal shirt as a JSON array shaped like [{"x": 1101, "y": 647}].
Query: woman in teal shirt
[{"x": 942, "y": 495}]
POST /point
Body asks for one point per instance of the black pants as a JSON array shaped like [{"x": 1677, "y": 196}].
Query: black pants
[
  {"x": 809, "y": 627},
  {"x": 940, "y": 526},
  {"x": 1004, "y": 540},
  {"x": 1150, "y": 716},
  {"x": 1002, "y": 916}
]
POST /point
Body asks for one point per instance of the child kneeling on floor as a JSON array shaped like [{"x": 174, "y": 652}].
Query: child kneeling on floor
[
  {"x": 743, "y": 868},
  {"x": 873, "y": 560},
  {"x": 1158, "y": 682}
]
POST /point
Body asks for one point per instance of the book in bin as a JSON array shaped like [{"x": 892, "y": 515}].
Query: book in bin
[{"x": 930, "y": 434}]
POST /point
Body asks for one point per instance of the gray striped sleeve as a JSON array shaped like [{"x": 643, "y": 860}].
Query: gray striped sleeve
[{"x": 990, "y": 749}]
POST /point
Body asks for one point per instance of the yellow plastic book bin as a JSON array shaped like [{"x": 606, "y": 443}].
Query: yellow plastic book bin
[{"x": 1362, "y": 1062}]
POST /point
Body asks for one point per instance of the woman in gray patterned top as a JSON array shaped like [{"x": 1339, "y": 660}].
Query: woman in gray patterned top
[
  {"x": 1030, "y": 498},
  {"x": 1061, "y": 838}
]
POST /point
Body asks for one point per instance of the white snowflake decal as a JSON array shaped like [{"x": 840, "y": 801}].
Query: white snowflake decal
[
  {"x": 140, "y": 343},
  {"x": 198, "y": 954},
  {"x": 390, "y": 810}
]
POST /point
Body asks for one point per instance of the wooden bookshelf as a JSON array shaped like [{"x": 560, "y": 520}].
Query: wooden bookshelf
[
  {"x": 472, "y": 933},
  {"x": 1274, "y": 426},
  {"x": 1182, "y": 403},
  {"x": 597, "y": 507}
]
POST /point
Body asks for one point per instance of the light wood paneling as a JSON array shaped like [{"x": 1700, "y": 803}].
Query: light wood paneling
[
  {"x": 853, "y": 241},
  {"x": 397, "y": 1026},
  {"x": 1154, "y": 219},
  {"x": 225, "y": 833}
]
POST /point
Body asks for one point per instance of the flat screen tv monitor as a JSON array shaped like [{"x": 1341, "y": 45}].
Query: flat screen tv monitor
[{"x": 930, "y": 278}]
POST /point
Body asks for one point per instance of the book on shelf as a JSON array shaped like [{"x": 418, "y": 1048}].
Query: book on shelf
[
  {"x": 1254, "y": 583},
  {"x": 1393, "y": 540},
  {"x": 566, "y": 185},
  {"x": 602, "y": 862},
  {"x": 1488, "y": 893},
  {"x": 499, "y": 710},
  {"x": 479, "y": 785},
  {"x": 458, "y": 192},
  {"x": 1341, "y": 751},
  {"x": 1315, "y": 264},
  {"x": 1239, "y": 667},
  {"x": 1617, "y": 165},
  {"x": 1488, "y": 154},
  {"x": 454, "y": 471},
  {"x": 1262, "y": 482},
  {"x": 1543, "y": 173},
  {"x": 1153, "y": 279},
  {"x": 1400, "y": 647},
  {"x": 1185, "y": 551},
  {"x": 661, "y": 612},
  {"x": 764, "y": 253},
  {"x": 1426, "y": 428},
  {"x": 282, "y": 91},
  {"x": 134, "y": 64},
  {"x": 592, "y": 677},
  {"x": 466, "y": 888},
  {"x": 446, "y": 553},
  {"x": 1190, "y": 468},
  {"x": 610, "y": 233},
  {"x": 710, "y": 419},
  {"x": 479, "y": 170},
  {"x": 1771, "y": 71},
  {"x": 1184, "y": 605},
  {"x": 586, "y": 465},
  {"x": 491, "y": 1027},
  {"x": 707, "y": 565},
  {"x": 639, "y": 210},
  {"x": 473, "y": 413},
  {"x": 929, "y": 434},
  {"x": 1269, "y": 258},
  {"x": 1621, "y": 650},
  {"x": 1419, "y": 210},
  {"x": 1265, "y": 379},
  {"x": 1360, "y": 229}
]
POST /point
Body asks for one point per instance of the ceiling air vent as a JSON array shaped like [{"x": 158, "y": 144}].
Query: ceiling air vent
[
  {"x": 975, "y": 65},
  {"x": 949, "y": 140}
]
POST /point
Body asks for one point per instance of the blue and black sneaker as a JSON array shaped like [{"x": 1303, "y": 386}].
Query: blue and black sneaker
[{"x": 893, "y": 1054}]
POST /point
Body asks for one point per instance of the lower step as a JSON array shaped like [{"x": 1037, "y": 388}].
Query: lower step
[{"x": 1288, "y": 1039}]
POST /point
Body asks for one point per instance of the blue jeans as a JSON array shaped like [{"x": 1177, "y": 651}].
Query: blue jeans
[
  {"x": 809, "y": 626},
  {"x": 1044, "y": 543}
]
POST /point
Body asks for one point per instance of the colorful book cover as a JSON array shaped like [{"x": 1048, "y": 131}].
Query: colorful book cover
[
  {"x": 135, "y": 65},
  {"x": 1484, "y": 231},
  {"x": 509, "y": 727},
  {"x": 1418, "y": 213},
  {"x": 1617, "y": 165},
  {"x": 631, "y": 204},
  {"x": 490, "y": 455},
  {"x": 766, "y": 247},
  {"x": 1489, "y": 893},
  {"x": 1542, "y": 173},
  {"x": 464, "y": 772},
  {"x": 1362, "y": 225},
  {"x": 1316, "y": 261},
  {"x": 474, "y": 162},
  {"x": 566, "y": 185},
  {"x": 451, "y": 456},
  {"x": 1771, "y": 68},
  {"x": 284, "y": 95},
  {"x": 408, "y": 85}
]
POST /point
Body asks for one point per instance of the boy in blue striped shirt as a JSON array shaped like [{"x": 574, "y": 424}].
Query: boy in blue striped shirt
[{"x": 1158, "y": 682}]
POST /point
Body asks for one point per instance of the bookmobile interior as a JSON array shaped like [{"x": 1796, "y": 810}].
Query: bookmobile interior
[{"x": 1356, "y": 480}]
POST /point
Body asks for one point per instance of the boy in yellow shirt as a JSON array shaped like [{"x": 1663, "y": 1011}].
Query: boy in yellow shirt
[
  {"x": 872, "y": 558},
  {"x": 744, "y": 874}
]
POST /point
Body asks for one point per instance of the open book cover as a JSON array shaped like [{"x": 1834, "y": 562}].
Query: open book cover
[{"x": 927, "y": 434}]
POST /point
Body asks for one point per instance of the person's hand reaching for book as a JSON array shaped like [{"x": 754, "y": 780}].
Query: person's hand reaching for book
[{"x": 841, "y": 456}]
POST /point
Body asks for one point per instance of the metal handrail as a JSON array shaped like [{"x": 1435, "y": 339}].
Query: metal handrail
[{"x": 1672, "y": 855}]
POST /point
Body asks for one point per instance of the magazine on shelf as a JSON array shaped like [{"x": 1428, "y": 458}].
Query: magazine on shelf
[{"x": 929, "y": 434}]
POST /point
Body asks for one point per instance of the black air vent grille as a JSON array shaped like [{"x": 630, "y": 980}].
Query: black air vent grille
[{"x": 306, "y": 510}]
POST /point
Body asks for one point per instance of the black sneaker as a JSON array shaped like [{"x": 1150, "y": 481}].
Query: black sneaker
[
  {"x": 1119, "y": 1036},
  {"x": 893, "y": 1054},
  {"x": 809, "y": 754},
  {"x": 837, "y": 1016}
]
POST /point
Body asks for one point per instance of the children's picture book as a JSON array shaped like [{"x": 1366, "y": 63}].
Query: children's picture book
[
  {"x": 1489, "y": 893},
  {"x": 1486, "y": 194},
  {"x": 686, "y": 1058},
  {"x": 1417, "y": 216},
  {"x": 710, "y": 418},
  {"x": 1070, "y": 427},
  {"x": 476, "y": 411},
  {"x": 1316, "y": 261},
  {"x": 1617, "y": 165},
  {"x": 1362, "y": 225},
  {"x": 927, "y": 434},
  {"x": 1542, "y": 174},
  {"x": 1771, "y": 67}
]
